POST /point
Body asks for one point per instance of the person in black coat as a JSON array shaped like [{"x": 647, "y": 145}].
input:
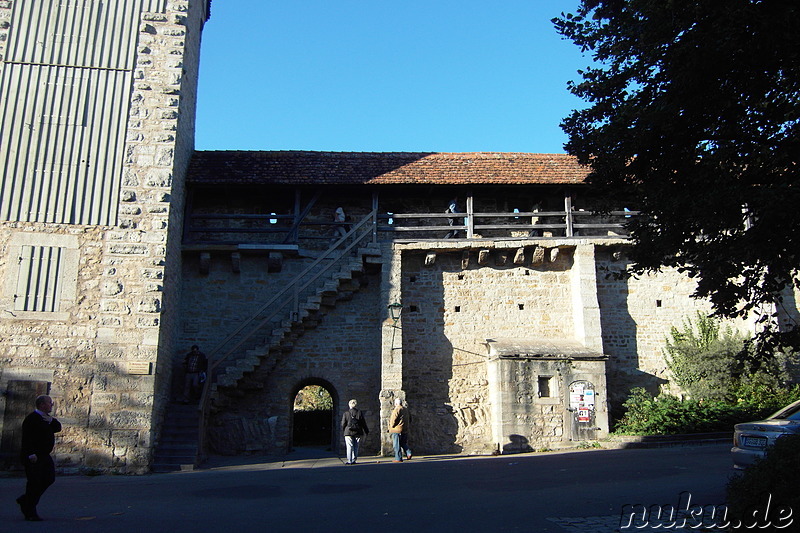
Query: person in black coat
[
  {"x": 38, "y": 438},
  {"x": 353, "y": 428}
]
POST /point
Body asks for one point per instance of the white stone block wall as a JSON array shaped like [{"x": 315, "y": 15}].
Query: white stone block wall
[
  {"x": 213, "y": 305},
  {"x": 637, "y": 315}
]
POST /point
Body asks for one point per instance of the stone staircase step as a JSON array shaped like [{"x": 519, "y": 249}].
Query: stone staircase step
[{"x": 177, "y": 448}]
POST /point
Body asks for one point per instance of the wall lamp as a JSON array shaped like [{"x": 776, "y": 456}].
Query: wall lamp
[{"x": 395, "y": 310}]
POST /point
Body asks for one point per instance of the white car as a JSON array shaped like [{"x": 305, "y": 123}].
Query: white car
[{"x": 751, "y": 439}]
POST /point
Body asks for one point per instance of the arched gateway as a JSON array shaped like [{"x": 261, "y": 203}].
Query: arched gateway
[{"x": 314, "y": 405}]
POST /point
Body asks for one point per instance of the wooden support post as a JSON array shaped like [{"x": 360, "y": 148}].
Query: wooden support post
[
  {"x": 470, "y": 217},
  {"x": 568, "y": 213}
]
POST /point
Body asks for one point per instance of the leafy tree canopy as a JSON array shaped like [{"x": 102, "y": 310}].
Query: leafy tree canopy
[
  {"x": 693, "y": 116},
  {"x": 313, "y": 398},
  {"x": 710, "y": 361}
]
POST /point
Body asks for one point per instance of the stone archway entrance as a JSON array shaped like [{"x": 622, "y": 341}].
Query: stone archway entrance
[{"x": 314, "y": 408}]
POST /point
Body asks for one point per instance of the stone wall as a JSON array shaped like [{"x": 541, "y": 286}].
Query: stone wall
[
  {"x": 637, "y": 315},
  {"x": 123, "y": 281},
  {"x": 525, "y": 418},
  {"x": 454, "y": 296},
  {"x": 215, "y": 303},
  {"x": 449, "y": 312},
  {"x": 342, "y": 353}
]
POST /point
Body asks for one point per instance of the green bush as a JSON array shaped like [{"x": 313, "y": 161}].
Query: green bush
[
  {"x": 668, "y": 415},
  {"x": 714, "y": 362},
  {"x": 703, "y": 358},
  {"x": 723, "y": 381},
  {"x": 775, "y": 475}
]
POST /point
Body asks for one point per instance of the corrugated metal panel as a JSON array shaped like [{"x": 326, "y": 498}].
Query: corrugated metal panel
[
  {"x": 63, "y": 132},
  {"x": 80, "y": 33},
  {"x": 38, "y": 280}
]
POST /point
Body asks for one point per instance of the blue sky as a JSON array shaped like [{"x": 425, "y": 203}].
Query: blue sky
[{"x": 439, "y": 75}]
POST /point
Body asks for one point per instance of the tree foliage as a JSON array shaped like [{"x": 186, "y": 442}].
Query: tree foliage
[
  {"x": 702, "y": 357},
  {"x": 711, "y": 361},
  {"x": 666, "y": 414},
  {"x": 313, "y": 398},
  {"x": 693, "y": 115}
]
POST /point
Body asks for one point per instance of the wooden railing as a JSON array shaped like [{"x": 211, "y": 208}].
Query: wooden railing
[{"x": 392, "y": 226}]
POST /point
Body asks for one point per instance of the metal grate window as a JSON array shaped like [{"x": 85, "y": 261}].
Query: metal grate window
[{"x": 39, "y": 278}]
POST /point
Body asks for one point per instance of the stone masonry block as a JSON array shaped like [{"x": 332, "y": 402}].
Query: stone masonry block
[{"x": 538, "y": 256}]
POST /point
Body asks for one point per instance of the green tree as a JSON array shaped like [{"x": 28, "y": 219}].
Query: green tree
[
  {"x": 703, "y": 358},
  {"x": 313, "y": 398},
  {"x": 694, "y": 116},
  {"x": 712, "y": 361}
]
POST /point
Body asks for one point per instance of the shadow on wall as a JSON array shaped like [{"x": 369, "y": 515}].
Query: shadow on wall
[
  {"x": 619, "y": 331},
  {"x": 427, "y": 360},
  {"x": 517, "y": 444}
]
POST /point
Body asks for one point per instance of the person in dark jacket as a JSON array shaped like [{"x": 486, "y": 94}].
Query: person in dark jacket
[
  {"x": 195, "y": 365},
  {"x": 353, "y": 428},
  {"x": 38, "y": 438}
]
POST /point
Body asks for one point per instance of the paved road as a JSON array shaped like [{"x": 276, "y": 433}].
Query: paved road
[{"x": 309, "y": 492}]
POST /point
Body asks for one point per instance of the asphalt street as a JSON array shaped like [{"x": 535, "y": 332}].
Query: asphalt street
[{"x": 312, "y": 491}]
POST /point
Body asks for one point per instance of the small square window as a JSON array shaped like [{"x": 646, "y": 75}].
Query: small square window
[{"x": 544, "y": 386}]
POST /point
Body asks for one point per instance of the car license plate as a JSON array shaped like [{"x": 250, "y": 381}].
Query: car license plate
[{"x": 754, "y": 442}]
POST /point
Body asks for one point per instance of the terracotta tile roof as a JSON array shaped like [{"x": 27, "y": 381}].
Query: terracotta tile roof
[{"x": 382, "y": 168}]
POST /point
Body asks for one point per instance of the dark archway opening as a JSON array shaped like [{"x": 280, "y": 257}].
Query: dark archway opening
[{"x": 313, "y": 411}]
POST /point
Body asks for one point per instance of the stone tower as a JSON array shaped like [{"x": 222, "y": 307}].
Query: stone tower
[{"x": 97, "y": 112}]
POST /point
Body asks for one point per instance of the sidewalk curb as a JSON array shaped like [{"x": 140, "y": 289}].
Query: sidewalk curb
[{"x": 662, "y": 441}]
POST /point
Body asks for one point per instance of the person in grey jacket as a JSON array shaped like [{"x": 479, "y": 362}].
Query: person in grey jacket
[{"x": 353, "y": 428}]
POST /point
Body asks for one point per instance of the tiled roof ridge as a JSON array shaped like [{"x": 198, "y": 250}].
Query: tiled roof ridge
[
  {"x": 383, "y": 168},
  {"x": 408, "y": 153}
]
